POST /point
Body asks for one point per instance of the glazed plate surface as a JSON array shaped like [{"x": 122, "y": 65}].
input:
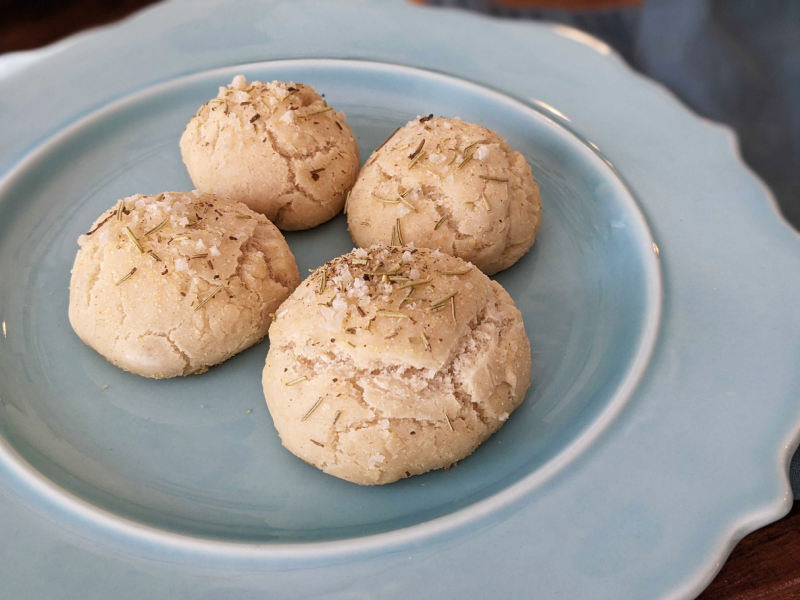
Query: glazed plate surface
[{"x": 664, "y": 401}]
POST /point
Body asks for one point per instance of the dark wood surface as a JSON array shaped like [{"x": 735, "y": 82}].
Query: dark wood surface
[{"x": 764, "y": 566}]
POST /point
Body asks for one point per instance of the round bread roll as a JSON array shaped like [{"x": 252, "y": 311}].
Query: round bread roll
[
  {"x": 450, "y": 185},
  {"x": 392, "y": 362},
  {"x": 278, "y": 147},
  {"x": 174, "y": 283}
]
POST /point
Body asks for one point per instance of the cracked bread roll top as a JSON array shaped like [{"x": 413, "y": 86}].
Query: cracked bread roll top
[
  {"x": 278, "y": 147},
  {"x": 390, "y": 362},
  {"x": 171, "y": 284},
  {"x": 451, "y": 185}
]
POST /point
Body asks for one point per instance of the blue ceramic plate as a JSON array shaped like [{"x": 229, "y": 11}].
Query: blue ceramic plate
[{"x": 659, "y": 299}]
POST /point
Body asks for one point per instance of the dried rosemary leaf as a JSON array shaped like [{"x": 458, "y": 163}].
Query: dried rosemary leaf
[
  {"x": 384, "y": 200},
  {"x": 209, "y": 297},
  {"x": 312, "y": 409},
  {"x": 463, "y": 271},
  {"x": 392, "y": 313},
  {"x": 412, "y": 284},
  {"x": 443, "y": 299},
  {"x": 134, "y": 240},
  {"x": 416, "y": 159},
  {"x": 131, "y": 272},
  {"x": 157, "y": 227}
]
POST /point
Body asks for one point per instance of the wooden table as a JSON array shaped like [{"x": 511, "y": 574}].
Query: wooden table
[{"x": 764, "y": 565}]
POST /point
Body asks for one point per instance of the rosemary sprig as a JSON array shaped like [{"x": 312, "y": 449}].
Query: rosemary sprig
[
  {"x": 464, "y": 162},
  {"x": 134, "y": 240},
  {"x": 131, "y": 272},
  {"x": 412, "y": 284},
  {"x": 463, "y": 271},
  {"x": 323, "y": 281},
  {"x": 407, "y": 298},
  {"x": 157, "y": 227},
  {"x": 426, "y": 342},
  {"x": 473, "y": 144},
  {"x": 408, "y": 204},
  {"x": 392, "y": 313},
  {"x": 446, "y": 418},
  {"x": 209, "y": 297},
  {"x": 312, "y": 409},
  {"x": 384, "y": 200},
  {"x": 416, "y": 159},
  {"x": 443, "y": 299},
  {"x": 318, "y": 112}
]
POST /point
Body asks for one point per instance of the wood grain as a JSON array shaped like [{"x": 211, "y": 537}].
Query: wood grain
[
  {"x": 28, "y": 24},
  {"x": 764, "y": 566}
]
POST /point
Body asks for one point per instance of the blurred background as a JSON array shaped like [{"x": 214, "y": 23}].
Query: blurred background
[{"x": 733, "y": 61}]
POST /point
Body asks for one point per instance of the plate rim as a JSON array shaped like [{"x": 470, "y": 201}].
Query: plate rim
[
  {"x": 395, "y": 538},
  {"x": 739, "y": 521}
]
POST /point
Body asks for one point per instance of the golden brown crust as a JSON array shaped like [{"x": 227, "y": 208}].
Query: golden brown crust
[
  {"x": 408, "y": 384},
  {"x": 201, "y": 289},
  {"x": 452, "y": 185},
  {"x": 278, "y": 147}
]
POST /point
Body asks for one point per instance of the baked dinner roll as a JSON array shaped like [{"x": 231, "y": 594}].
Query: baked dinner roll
[
  {"x": 174, "y": 283},
  {"x": 448, "y": 184},
  {"x": 278, "y": 147},
  {"x": 390, "y": 362}
]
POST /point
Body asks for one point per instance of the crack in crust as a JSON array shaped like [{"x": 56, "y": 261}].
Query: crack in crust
[
  {"x": 446, "y": 378},
  {"x": 494, "y": 240},
  {"x": 105, "y": 314}
]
